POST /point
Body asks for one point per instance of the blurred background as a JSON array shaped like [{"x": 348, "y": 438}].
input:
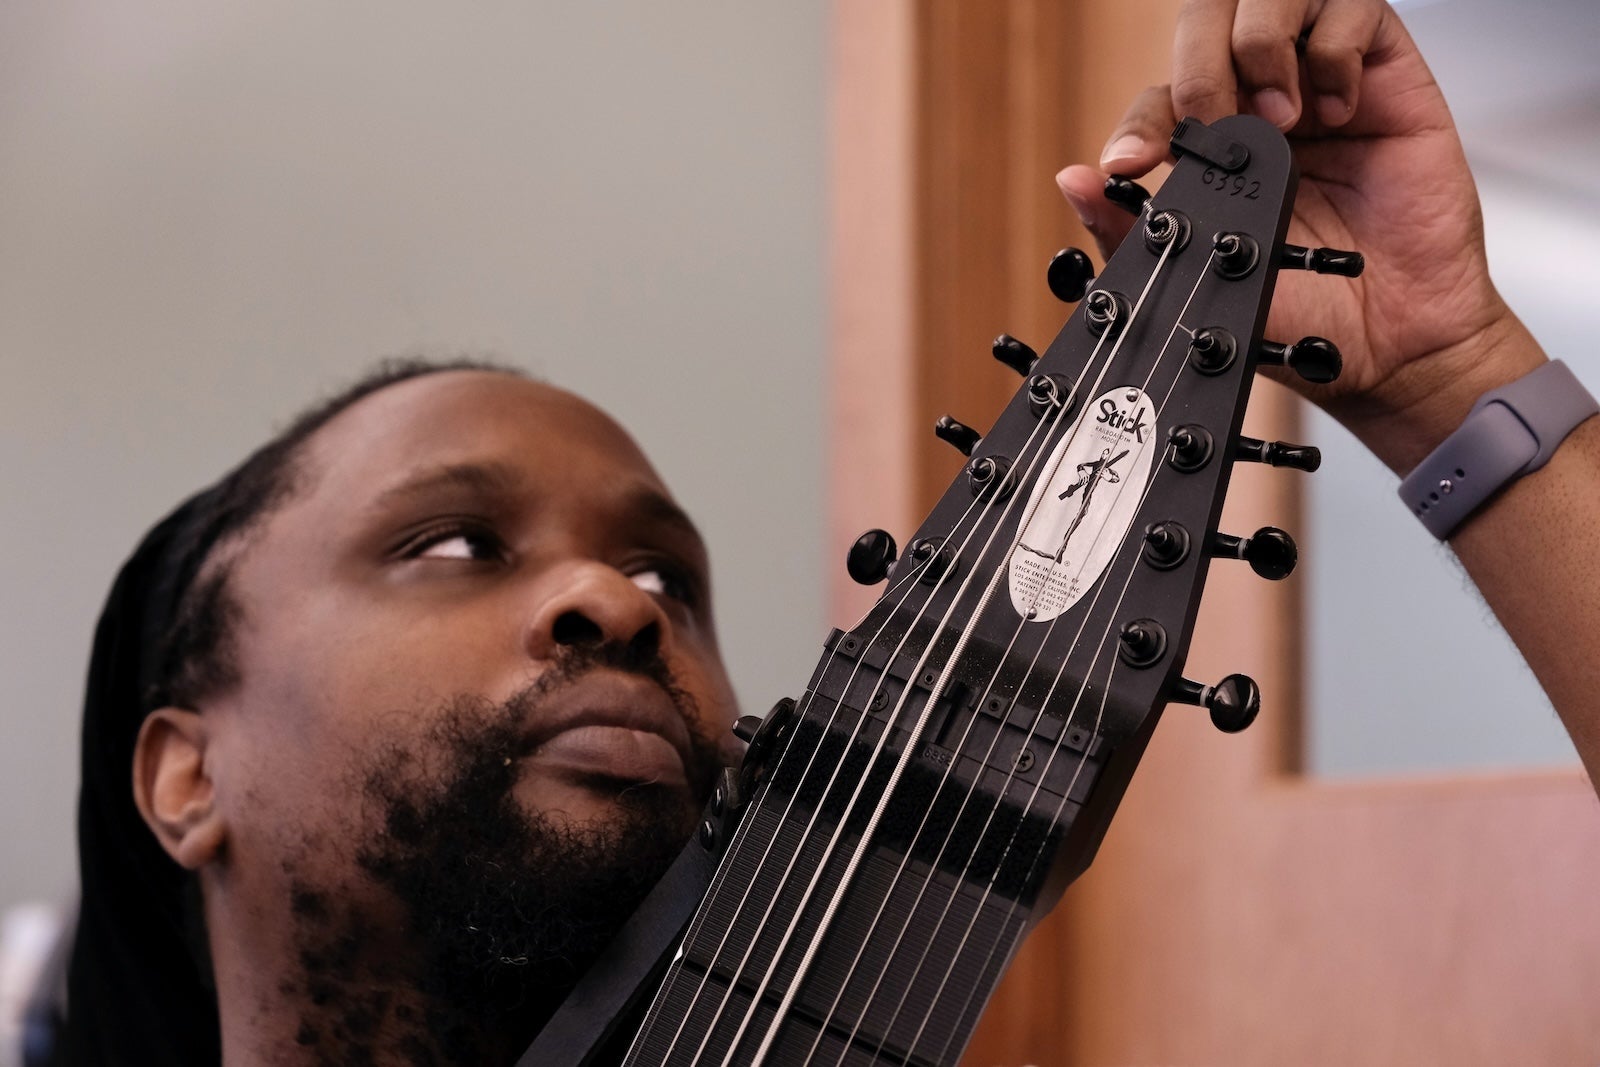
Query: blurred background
[
  {"x": 773, "y": 240},
  {"x": 214, "y": 213}
]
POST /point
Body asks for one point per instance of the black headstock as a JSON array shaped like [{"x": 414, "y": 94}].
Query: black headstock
[{"x": 1073, "y": 549}]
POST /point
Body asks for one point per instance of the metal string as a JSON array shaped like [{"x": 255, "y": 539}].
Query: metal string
[
  {"x": 937, "y": 690},
  {"x": 742, "y": 831},
  {"x": 1054, "y": 750},
  {"x": 893, "y": 720},
  {"x": 971, "y": 793},
  {"x": 987, "y": 504},
  {"x": 905, "y": 581}
]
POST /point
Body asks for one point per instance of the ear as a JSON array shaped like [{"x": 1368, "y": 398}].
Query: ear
[{"x": 173, "y": 789}]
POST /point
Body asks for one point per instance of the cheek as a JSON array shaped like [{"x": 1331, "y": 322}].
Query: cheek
[
  {"x": 331, "y": 671},
  {"x": 705, "y": 680}
]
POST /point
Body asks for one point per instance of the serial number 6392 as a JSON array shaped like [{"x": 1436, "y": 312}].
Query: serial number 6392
[{"x": 1233, "y": 185}]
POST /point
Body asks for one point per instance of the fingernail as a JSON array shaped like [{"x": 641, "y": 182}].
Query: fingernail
[
  {"x": 1124, "y": 149},
  {"x": 1332, "y": 110},
  {"x": 1275, "y": 106}
]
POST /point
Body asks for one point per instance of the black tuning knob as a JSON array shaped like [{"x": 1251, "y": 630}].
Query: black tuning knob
[
  {"x": 745, "y": 727},
  {"x": 1233, "y": 702},
  {"x": 959, "y": 434},
  {"x": 1069, "y": 275},
  {"x": 1269, "y": 551},
  {"x": 1127, "y": 194},
  {"x": 1322, "y": 260},
  {"x": 765, "y": 736},
  {"x": 1316, "y": 359},
  {"x": 1014, "y": 354},
  {"x": 1277, "y": 454},
  {"x": 870, "y": 557}
]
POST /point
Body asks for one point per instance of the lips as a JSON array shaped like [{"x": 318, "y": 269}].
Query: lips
[{"x": 612, "y": 725}]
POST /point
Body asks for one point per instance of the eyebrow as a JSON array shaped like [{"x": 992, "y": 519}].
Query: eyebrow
[
  {"x": 644, "y": 503},
  {"x": 658, "y": 508},
  {"x": 482, "y": 477}
]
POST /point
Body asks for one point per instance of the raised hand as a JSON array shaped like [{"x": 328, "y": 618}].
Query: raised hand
[{"x": 1423, "y": 331}]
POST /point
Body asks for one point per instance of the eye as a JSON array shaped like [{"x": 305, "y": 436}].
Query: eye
[
  {"x": 463, "y": 541},
  {"x": 667, "y": 581}
]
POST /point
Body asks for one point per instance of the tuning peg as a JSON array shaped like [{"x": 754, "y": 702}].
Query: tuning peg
[
  {"x": 1069, "y": 275},
  {"x": 959, "y": 434},
  {"x": 1014, "y": 354},
  {"x": 1234, "y": 254},
  {"x": 1269, "y": 551},
  {"x": 1211, "y": 350},
  {"x": 869, "y": 558},
  {"x": 1233, "y": 702},
  {"x": 1277, "y": 454},
  {"x": 1191, "y": 448},
  {"x": 1166, "y": 544},
  {"x": 1105, "y": 310},
  {"x": 1322, "y": 260},
  {"x": 1142, "y": 642},
  {"x": 764, "y": 735},
  {"x": 1127, "y": 194},
  {"x": 1316, "y": 359}
]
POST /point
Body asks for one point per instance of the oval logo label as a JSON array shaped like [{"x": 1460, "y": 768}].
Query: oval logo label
[{"x": 1079, "y": 517}]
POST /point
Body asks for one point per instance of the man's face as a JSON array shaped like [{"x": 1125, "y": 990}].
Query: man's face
[
  {"x": 473, "y": 569},
  {"x": 452, "y": 536}
]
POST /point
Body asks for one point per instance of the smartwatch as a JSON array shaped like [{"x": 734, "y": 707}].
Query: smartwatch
[{"x": 1511, "y": 431}]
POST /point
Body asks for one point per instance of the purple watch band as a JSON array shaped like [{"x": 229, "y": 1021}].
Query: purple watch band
[{"x": 1511, "y": 431}]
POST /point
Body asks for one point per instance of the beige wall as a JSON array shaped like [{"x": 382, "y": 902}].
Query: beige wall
[{"x": 214, "y": 211}]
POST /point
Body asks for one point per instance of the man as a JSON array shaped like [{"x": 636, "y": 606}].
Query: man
[
  {"x": 436, "y": 690},
  {"x": 434, "y": 700}
]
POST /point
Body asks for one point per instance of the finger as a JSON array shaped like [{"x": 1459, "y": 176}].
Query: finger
[
  {"x": 1140, "y": 140},
  {"x": 1084, "y": 187},
  {"x": 1335, "y": 52},
  {"x": 1264, "y": 59},
  {"x": 1203, "y": 82}
]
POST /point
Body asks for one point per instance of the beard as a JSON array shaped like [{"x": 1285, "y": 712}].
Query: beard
[{"x": 502, "y": 909}]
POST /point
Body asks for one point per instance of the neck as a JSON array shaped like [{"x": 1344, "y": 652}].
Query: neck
[{"x": 921, "y": 933}]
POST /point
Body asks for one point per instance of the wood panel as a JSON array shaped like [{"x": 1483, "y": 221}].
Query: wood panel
[{"x": 1239, "y": 913}]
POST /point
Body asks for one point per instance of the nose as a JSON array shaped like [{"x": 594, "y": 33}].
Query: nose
[{"x": 589, "y": 603}]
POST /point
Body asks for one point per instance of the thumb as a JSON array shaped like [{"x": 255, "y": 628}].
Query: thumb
[{"x": 1084, "y": 187}]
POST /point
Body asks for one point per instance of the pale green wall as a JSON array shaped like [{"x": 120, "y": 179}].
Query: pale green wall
[{"x": 211, "y": 212}]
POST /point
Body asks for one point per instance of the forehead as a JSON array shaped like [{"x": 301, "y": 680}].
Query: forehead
[{"x": 455, "y": 418}]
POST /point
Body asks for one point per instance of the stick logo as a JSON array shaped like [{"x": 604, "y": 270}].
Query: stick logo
[{"x": 1080, "y": 516}]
